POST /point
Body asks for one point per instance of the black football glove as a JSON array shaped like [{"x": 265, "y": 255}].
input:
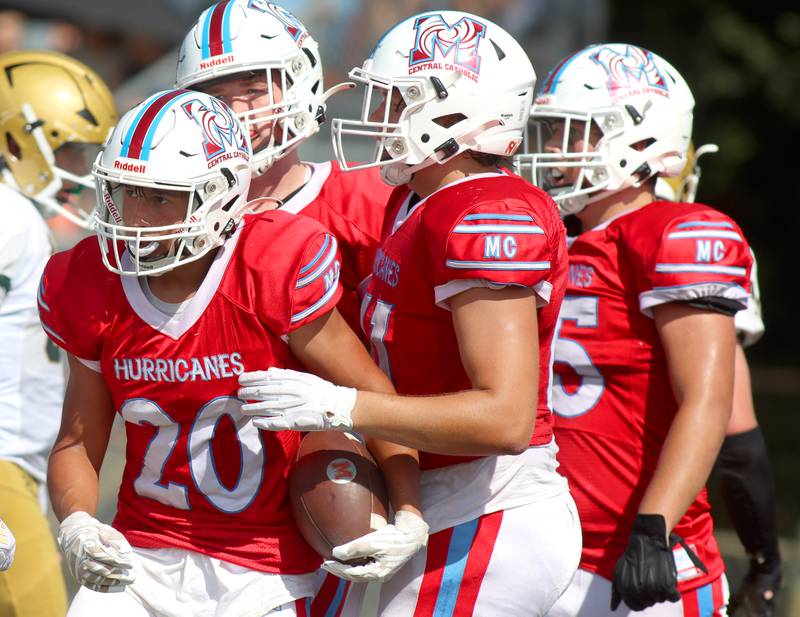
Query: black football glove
[
  {"x": 756, "y": 595},
  {"x": 646, "y": 573}
]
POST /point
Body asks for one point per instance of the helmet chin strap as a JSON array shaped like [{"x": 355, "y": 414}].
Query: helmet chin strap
[
  {"x": 398, "y": 173},
  {"x": 139, "y": 251}
]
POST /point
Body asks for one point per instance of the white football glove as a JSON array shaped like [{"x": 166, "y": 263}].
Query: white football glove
[
  {"x": 388, "y": 548},
  {"x": 7, "y": 546},
  {"x": 98, "y": 555},
  {"x": 295, "y": 401}
]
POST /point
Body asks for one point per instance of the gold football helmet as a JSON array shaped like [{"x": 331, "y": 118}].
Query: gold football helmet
[
  {"x": 55, "y": 114},
  {"x": 683, "y": 188}
]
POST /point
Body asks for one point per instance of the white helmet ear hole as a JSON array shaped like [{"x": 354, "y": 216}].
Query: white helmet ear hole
[
  {"x": 199, "y": 244},
  {"x": 449, "y": 120},
  {"x": 642, "y": 144},
  {"x": 311, "y": 59},
  {"x": 229, "y": 176}
]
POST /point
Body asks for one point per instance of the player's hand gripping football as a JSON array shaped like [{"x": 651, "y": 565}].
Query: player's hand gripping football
[
  {"x": 388, "y": 549},
  {"x": 7, "y": 546},
  {"x": 295, "y": 401},
  {"x": 646, "y": 573},
  {"x": 98, "y": 555}
]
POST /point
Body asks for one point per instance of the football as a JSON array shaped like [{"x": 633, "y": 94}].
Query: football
[{"x": 336, "y": 490}]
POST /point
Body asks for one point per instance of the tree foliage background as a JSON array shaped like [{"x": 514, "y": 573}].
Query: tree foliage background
[{"x": 743, "y": 65}]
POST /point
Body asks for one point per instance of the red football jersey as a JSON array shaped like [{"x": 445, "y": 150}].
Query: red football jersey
[
  {"x": 198, "y": 475},
  {"x": 488, "y": 229},
  {"x": 352, "y": 205},
  {"x": 612, "y": 393}
]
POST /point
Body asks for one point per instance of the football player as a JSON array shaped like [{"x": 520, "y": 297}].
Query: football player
[
  {"x": 263, "y": 62},
  {"x": 468, "y": 279},
  {"x": 260, "y": 59},
  {"x": 646, "y": 348},
  {"x": 743, "y": 465},
  {"x": 183, "y": 293},
  {"x": 45, "y": 156}
]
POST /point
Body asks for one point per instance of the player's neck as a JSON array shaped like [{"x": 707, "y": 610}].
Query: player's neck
[
  {"x": 283, "y": 178},
  {"x": 181, "y": 283},
  {"x": 429, "y": 180},
  {"x": 602, "y": 210}
]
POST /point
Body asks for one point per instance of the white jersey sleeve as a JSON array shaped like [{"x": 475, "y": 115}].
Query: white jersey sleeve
[
  {"x": 749, "y": 324},
  {"x": 31, "y": 371}
]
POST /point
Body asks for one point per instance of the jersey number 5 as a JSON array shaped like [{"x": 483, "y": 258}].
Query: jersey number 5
[{"x": 576, "y": 401}]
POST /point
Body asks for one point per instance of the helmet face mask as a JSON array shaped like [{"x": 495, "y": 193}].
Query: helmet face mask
[
  {"x": 640, "y": 104},
  {"x": 274, "y": 123},
  {"x": 41, "y": 140},
  {"x": 187, "y": 150},
  {"x": 466, "y": 85},
  {"x": 568, "y": 163},
  {"x": 241, "y": 39},
  {"x": 384, "y": 124}
]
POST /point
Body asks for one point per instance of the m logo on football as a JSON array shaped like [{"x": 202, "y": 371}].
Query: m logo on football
[
  {"x": 341, "y": 471},
  {"x": 222, "y": 135},
  {"x": 634, "y": 69},
  {"x": 457, "y": 43}
]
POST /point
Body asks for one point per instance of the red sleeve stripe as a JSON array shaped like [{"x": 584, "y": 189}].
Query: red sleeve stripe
[
  {"x": 499, "y": 229},
  {"x": 497, "y": 265},
  {"x": 698, "y": 268},
  {"x": 488, "y": 216},
  {"x": 53, "y": 334},
  {"x": 322, "y": 268},
  {"x": 705, "y": 224},
  {"x": 705, "y": 233},
  {"x": 40, "y": 297},
  {"x": 311, "y": 263},
  {"x": 318, "y": 304}
]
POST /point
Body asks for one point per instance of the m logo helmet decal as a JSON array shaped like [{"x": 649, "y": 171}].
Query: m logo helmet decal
[
  {"x": 633, "y": 69},
  {"x": 461, "y": 40},
  {"x": 220, "y": 130},
  {"x": 293, "y": 25}
]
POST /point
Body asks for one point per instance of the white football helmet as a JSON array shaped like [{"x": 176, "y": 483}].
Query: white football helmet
[
  {"x": 641, "y": 106},
  {"x": 466, "y": 85},
  {"x": 176, "y": 140},
  {"x": 684, "y": 186},
  {"x": 243, "y": 36}
]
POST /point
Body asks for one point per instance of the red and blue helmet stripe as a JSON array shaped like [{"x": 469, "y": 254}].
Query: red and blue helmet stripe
[
  {"x": 551, "y": 81},
  {"x": 217, "y": 30},
  {"x": 139, "y": 137}
]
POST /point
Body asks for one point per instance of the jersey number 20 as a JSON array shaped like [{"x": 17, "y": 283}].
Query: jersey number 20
[{"x": 149, "y": 483}]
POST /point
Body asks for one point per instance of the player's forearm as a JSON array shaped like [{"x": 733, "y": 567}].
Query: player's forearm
[
  {"x": 72, "y": 481},
  {"x": 685, "y": 462},
  {"x": 400, "y": 467},
  {"x": 748, "y": 490},
  {"x": 474, "y": 422}
]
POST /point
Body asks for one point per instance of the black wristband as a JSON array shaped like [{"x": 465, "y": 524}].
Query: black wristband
[{"x": 650, "y": 525}]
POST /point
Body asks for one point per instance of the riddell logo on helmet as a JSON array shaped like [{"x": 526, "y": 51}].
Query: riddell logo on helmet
[
  {"x": 139, "y": 168},
  {"x": 216, "y": 62},
  {"x": 112, "y": 207},
  {"x": 458, "y": 42}
]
